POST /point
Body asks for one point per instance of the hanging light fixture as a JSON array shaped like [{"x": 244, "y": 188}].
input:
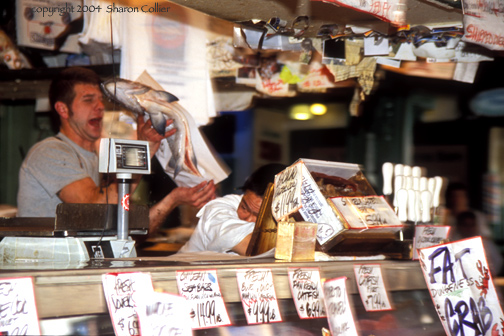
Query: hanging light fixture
[
  {"x": 300, "y": 112},
  {"x": 318, "y": 109}
]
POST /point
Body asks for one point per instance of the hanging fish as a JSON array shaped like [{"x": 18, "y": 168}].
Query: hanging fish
[{"x": 159, "y": 106}]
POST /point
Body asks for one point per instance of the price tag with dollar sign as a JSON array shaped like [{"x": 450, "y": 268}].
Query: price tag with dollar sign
[
  {"x": 307, "y": 292},
  {"x": 201, "y": 289},
  {"x": 258, "y": 296}
]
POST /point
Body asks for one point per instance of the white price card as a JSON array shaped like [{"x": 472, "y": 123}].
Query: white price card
[
  {"x": 429, "y": 235},
  {"x": 201, "y": 289},
  {"x": 18, "y": 311},
  {"x": 371, "y": 287},
  {"x": 484, "y": 23},
  {"x": 258, "y": 296},
  {"x": 121, "y": 292},
  {"x": 307, "y": 292},
  {"x": 387, "y": 10},
  {"x": 462, "y": 289},
  {"x": 164, "y": 314},
  {"x": 338, "y": 308}
]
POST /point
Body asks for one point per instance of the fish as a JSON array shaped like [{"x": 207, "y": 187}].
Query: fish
[{"x": 159, "y": 106}]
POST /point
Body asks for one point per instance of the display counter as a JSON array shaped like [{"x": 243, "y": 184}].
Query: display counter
[{"x": 70, "y": 298}]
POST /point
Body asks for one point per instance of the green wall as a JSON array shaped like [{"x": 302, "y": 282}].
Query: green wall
[{"x": 20, "y": 128}]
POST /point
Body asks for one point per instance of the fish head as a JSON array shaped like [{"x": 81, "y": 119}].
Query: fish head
[{"x": 125, "y": 93}]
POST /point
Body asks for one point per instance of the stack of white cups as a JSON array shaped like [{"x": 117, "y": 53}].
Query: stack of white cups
[{"x": 416, "y": 197}]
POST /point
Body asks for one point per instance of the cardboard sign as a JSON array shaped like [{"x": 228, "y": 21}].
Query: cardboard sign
[
  {"x": 429, "y": 235},
  {"x": 296, "y": 191},
  {"x": 18, "y": 310},
  {"x": 371, "y": 287},
  {"x": 338, "y": 308},
  {"x": 484, "y": 23},
  {"x": 258, "y": 296},
  {"x": 201, "y": 289},
  {"x": 164, "y": 314},
  {"x": 462, "y": 289},
  {"x": 391, "y": 11},
  {"x": 121, "y": 292},
  {"x": 307, "y": 292},
  {"x": 366, "y": 212}
]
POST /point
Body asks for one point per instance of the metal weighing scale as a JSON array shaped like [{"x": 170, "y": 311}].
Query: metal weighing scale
[{"x": 80, "y": 232}]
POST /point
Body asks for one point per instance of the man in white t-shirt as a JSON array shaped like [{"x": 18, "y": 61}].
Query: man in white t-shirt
[{"x": 226, "y": 223}]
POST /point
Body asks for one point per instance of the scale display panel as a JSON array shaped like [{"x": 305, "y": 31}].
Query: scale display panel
[{"x": 124, "y": 156}]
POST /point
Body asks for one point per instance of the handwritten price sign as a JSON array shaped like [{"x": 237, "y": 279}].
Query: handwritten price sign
[
  {"x": 429, "y": 235},
  {"x": 307, "y": 292},
  {"x": 338, "y": 308},
  {"x": 164, "y": 314},
  {"x": 120, "y": 290},
  {"x": 201, "y": 289},
  {"x": 462, "y": 289},
  {"x": 371, "y": 287},
  {"x": 18, "y": 312},
  {"x": 258, "y": 296}
]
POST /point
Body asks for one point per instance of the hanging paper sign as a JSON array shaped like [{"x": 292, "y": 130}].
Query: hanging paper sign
[
  {"x": 462, "y": 289},
  {"x": 484, "y": 23},
  {"x": 164, "y": 314},
  {"x": 371, "y": 287},
  {"x": 386, "y": 10},
  {"x": 258, "y": 296},
  {"x": 318, "y": 78},
  {"x": 201, "y": 289},
  {"x": 121, "y": 292},
  {"x": 306, "y": 290},
  {"x": 429, "y": 235},
  {"x": 18, "y": 312},
  {"x": 338, "y": 308}
]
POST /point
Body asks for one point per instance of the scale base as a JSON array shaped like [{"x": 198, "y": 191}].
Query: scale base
[{"x": 15, "y": 250}]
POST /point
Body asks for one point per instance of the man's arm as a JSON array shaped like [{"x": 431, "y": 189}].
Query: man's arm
[
  {"x": 196, "y": 196},
  {"x": 86, "y": 191},
  {"x": 241, "y": 247}
]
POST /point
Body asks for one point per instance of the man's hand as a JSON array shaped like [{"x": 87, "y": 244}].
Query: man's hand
[
  {"x": 196, "y": 196},
  {"x": 146, "y": 132}
]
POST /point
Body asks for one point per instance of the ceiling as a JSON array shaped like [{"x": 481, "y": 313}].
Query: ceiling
[{"x": 320, "y": 13}]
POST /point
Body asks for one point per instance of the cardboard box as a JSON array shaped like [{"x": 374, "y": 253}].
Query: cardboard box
[
  {"x": 296, "y": 241},
  {"x": 302, "y": 190}
]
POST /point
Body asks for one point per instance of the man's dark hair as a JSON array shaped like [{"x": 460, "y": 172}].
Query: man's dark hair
[
  {"x": 258, "y": 181},
  {"x": 62, "y": 86}
]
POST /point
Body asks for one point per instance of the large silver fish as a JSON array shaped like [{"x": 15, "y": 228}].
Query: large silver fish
[{"x": 159, "y": 106}]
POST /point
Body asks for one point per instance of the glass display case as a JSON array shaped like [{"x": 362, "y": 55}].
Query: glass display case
[{"x": 70, "y": 299}]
